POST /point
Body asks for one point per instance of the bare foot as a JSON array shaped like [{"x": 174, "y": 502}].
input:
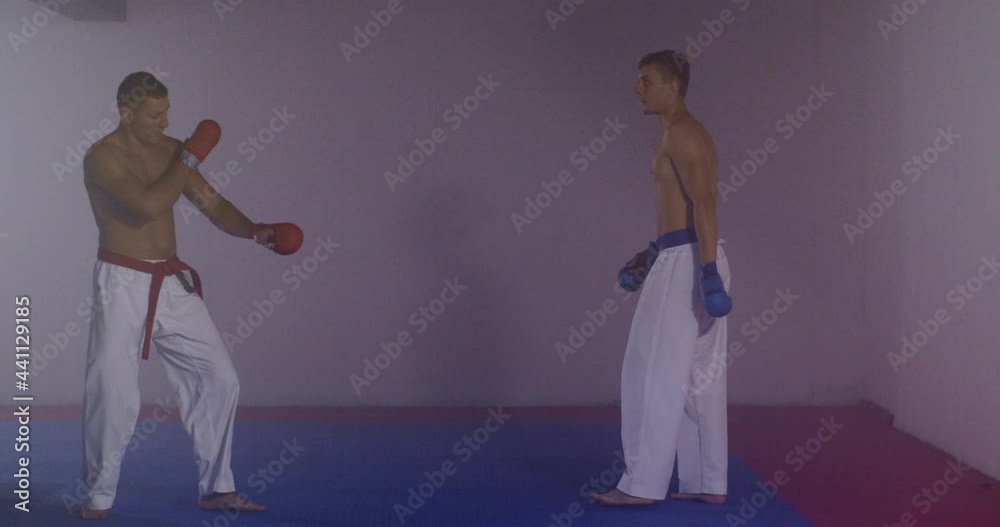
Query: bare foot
[
  {"x": 617, "y": 498},
  {"x": 714, "y": 499},
  {"x": 92, "y": 514},
  {"x": 228, "y": 501}
]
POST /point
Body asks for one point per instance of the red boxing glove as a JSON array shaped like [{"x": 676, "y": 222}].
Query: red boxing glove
[
  {"x": 204, "y": 139},
  {"x": 287, "y": 236}
]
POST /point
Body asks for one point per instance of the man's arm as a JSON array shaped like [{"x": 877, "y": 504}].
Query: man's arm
[
  {"x": 216, "y": 208},
  {"x": 691, "y": 151},
  {"x": 146, "y": 201}
]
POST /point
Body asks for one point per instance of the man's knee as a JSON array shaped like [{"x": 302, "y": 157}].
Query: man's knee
[
  {"x": 105, "y": 376},
  {"x": 226, "y": 379},
  {"x": 222, "y": 371}
]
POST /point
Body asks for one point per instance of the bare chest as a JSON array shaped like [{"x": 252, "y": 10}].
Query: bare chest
[
  {"x": 147, "y": 166},
  {"x": 664, "y": 172}
]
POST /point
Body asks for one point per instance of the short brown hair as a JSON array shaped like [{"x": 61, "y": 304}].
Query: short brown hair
[
  {"x": 673, "y": 63},
  {"x": 139, "y": 86}
]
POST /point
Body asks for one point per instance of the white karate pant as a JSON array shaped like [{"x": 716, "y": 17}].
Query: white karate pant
[
  {"x": 668, "y": 404},
  {"x": 198, "y": 367}
]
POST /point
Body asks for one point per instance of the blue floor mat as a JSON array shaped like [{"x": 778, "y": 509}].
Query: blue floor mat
[{"x": 372, "y": 474}]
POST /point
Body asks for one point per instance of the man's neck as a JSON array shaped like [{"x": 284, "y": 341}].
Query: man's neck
[
  {"x": 130, "y": 142},
  {"x": 670, "y": 117}
]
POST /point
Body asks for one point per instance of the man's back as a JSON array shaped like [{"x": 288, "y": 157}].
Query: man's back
[{"x": 674, "y": 204}]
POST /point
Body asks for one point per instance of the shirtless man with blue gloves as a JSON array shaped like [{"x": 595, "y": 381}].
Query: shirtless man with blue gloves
[{"x": 679, "y": 326}]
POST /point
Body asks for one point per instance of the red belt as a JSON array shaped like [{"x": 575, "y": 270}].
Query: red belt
[{"x": 159, "y": 270}]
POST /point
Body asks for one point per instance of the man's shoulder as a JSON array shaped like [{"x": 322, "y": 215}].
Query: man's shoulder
[
  {"x": 109, "y": 149},
  {"x": 103, "y": 144},
  {"x": 104, "y": 158},
  {"x": 101, "y": 153},
  {"x": 688, "y": 126},
  {"x": 689, "y": 132},
  {"x": 171, "y": 146}
]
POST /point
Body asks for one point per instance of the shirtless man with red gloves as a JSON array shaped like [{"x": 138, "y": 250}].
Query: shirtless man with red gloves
[{"x": 133, "y": 177}]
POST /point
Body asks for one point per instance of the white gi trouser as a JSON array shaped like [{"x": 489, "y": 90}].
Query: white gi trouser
[
  {"x": 673, "y": 396},
  {"x": 198, "y": 367}
]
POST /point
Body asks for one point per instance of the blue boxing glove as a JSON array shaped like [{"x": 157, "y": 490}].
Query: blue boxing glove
[
  {"x": 633, "y": 274},
  {"x": 628, "y": 281},
  {"x": 713, "y": 292}
]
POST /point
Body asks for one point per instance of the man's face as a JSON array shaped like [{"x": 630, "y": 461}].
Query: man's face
[
  {"x": 148, "y": 120},
  {"x": 655, "y": 90}
]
